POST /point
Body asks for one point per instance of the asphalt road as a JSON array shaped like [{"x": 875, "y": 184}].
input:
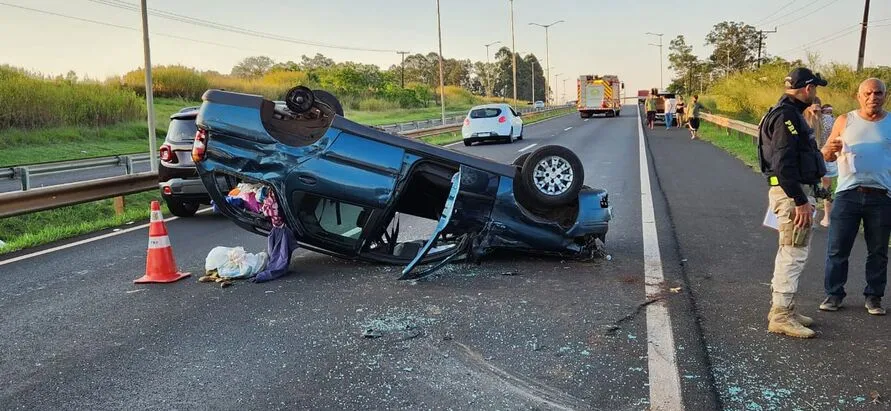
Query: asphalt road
[{"x": 551, "y": 334}]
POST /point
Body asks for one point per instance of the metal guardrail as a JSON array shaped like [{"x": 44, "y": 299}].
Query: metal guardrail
[
  {"x": 24, "y": 173},
  {"x": 31, "y": 200},
  {"x": 437, "y": 122},
  {"x": 45, "y": 198},
  {"x": 748, "y": 129}
]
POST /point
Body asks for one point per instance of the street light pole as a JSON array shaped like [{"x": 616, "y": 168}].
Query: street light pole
[
  {"x": 441, "y": 81},
  {"x": 547, "y": 55},
  {"x": 513, "y": 48},
  {"x": 661, "y": 83},
  {"x": 488, "y": 79},
  {"x": 149, "y": 91},
  {"x": 555, "y": 86}
]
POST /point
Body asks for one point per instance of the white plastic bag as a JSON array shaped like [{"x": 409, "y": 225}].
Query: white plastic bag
[{"x": 234, "y": 262}]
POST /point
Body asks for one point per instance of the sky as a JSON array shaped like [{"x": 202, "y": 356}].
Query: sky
[{"x": 596, "y": 37}]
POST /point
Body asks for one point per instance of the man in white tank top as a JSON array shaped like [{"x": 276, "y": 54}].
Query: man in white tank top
[{"x": 861, "y": 144}]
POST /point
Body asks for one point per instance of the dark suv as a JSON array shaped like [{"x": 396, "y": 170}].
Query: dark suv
[{"x": 178, "y": 179}]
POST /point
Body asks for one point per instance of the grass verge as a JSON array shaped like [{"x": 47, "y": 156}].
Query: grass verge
[
  {"x": 739, "y": 145},
  {"x": 44, "y": 227}
]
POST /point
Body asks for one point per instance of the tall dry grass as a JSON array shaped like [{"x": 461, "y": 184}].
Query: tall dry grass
[
  {"x": 748, "y": 95},
  {"x": 28, "y": 101}
]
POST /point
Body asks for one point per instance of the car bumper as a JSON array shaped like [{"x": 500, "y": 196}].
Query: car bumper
[{"x": 184, "y": 188}]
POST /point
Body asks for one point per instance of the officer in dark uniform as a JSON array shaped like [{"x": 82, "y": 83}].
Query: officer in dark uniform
[{"x": 789, "y": 157}]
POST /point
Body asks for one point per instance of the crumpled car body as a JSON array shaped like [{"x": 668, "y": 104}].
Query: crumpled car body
[{"x": 342, "y": 187}]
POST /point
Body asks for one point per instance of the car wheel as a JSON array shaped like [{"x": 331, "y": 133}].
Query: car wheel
[
  {"x": 467, "y": 143},
  {"x": 520, "y": 137},
  {"x": 182, "y": 208},
  {"x": 510, "y": 136},
  {"x": 553, "y": 176},
  {"x": 330, "y": 100}
]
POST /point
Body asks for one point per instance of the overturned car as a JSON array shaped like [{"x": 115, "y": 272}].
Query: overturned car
[{"x": 342, "y": 187}]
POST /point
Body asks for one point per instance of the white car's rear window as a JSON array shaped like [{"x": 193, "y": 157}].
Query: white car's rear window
[{"x": 485, "y": 112}]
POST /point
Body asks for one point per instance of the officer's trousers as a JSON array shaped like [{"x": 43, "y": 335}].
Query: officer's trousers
[{"x": 791, "y": 257}]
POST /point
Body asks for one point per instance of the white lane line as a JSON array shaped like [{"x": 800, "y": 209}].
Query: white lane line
[
  {"x": 454, "y": 144},
  {"x": 527, "y": 147},
  {"x": 586, "y": 120},
  {"x": 89, "y": 240},
  {"x": 567, "y": 129},
  {"x": 665, "y": 385}
]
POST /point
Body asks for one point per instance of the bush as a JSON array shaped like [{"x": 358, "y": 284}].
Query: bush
[{"x": 28, "y": 101}]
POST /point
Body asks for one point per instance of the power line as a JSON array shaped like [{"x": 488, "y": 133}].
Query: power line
[
  {"x": 804, "y": 45},
  {"x": 775, "y": 12},
  {"x": 232, "y": 29},
  {"x": 791, "y": 13},
  {"x": 102, "y": 23},
  {"x": 808, "y": 14}
]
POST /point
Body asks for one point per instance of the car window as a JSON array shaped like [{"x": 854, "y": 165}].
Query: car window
[
  {"x": 331, "y": 219},
  {"x": 485, "y": 112},
  {"x": 181, "y": 131}
]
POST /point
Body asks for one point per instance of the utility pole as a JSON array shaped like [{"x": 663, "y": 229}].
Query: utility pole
[
  {"x": 513, "y": 48},
  {"x": 761, "y": 42},
  {"x": 403, "y": 53},
  {"x": 533, "y": 82},
  {"x": 149, "y": 90},
  {"x": 547, "y": 56},
  {"x": 488, "y": 78},
  {"x": 441, "y": 81},
  {"x": 661, "y": 83},
  {"x": 863, "y": 36}
]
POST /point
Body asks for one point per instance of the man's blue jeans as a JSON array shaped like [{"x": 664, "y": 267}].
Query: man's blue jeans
[
  {"x": 848, "y": 210},
  {"x": 669, "y": 119}
]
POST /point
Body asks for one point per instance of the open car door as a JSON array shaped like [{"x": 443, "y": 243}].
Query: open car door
[{"x": 442, "y": 229}]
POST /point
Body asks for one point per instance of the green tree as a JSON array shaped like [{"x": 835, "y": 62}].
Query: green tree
[
  {"x": 255, "y": 66},
  {"x": 735, "y": 46}
]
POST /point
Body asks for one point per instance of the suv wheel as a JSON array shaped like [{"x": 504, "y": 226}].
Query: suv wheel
[{"x": 181, "y": 208}]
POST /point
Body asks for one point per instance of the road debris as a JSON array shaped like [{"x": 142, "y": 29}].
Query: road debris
[
  {"x": 876, "y": 397},
  {"x": 675, "y": 289},
  {"x": 372, "y": 333}
]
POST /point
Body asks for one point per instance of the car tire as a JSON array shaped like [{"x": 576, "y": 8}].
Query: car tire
[
  {"x": 181, "y": 208},
  {"x": 541, "y": 187},
  {"x": 330, "y": 100},
  {"x": 521, "y": 159},
  {"x": 520, "y": 137},
  {"x": 510, "y": 136},
  {"x": 467, "y": 143}
]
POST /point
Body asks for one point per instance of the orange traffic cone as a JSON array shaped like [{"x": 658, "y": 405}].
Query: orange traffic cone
[{"x": 160, "y": 266}]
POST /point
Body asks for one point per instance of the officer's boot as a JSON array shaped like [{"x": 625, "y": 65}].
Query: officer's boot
[
  {"x": 783, "y": 322},
  {"x": 802, "y": 319}
]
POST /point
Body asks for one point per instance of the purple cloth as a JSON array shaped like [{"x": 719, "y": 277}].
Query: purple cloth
[
  {"x": 281, "y": 243},
  {"x": 251, "y": 203}
]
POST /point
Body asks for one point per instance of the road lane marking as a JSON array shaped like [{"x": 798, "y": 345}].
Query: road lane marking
[
  {"x": 527, "y": 147},
  {"x": 567, "y": 129},
  {"x": 665, "y": 385},
  {"x": 586, "y": 120},
  {"x": 87, "y": 241},
  {"x": 454, "y": 144}
]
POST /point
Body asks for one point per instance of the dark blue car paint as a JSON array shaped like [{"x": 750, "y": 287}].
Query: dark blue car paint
[{"x": 358, "y": 165}]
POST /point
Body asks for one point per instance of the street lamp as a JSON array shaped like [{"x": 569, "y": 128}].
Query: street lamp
[
  {"x": 661, "y": 85},
  {"x": 547, "y": 52},
  {"x": 441, "y": 81},
  {"x": 555, "y": 82},
  {"x": 513, "y": 48},
  {"x": 488, "y": 80}
]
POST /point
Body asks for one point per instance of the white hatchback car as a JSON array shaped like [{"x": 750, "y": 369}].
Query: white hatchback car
[{"x": 492, "y": 122}]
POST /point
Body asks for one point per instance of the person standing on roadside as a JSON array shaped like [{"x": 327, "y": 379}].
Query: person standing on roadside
[
  {"x": 650, "y": 106},
  {"x": 789, "y": 157},
  {"x": 861, "y": 144},
  {"x": 680, "y": 115},
  {"x": 695, "y": 109},
  {"x": 671, "y": 107},
  {"x": 822, "y": 126}
]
